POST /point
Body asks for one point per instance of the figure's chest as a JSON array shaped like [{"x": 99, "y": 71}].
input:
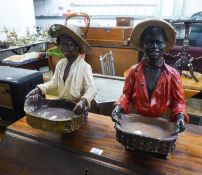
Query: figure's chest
[{"x": 151, "y": 78}]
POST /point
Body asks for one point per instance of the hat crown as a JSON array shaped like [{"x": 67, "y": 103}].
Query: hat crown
[
  {"x": 140, "y": 27},
  {"x": 75, "y": 29},
  {"x": 72, "y": 31}
]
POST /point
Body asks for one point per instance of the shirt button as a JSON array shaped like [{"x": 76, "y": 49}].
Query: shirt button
[{"x": 141, "y": 84}]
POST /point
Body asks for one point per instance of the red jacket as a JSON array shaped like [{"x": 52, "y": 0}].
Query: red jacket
[{"x": 168, "y": 93}]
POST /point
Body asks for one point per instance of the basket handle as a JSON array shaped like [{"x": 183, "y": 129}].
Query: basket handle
[{"x": 86, "y": 20}]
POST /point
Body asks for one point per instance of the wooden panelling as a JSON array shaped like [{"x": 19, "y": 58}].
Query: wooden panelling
[
  {"x": 123, "y": 58},
  {"x": 108, "y": 33}
]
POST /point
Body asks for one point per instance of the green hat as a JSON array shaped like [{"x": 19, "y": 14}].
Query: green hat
[
  {"x": 55, "y": 52},
  {"x": 139, "y": 29}
]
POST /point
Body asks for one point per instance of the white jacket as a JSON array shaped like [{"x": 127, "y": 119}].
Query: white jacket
[{"x": 79, "y": 83}]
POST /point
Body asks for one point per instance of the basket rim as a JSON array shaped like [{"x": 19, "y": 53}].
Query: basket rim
[{"x": 169, "y": 138}]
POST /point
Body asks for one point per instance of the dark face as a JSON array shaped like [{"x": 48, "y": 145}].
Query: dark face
[
  {"x": 154, "y": 46},
  {"x": 69, "y": 48}
]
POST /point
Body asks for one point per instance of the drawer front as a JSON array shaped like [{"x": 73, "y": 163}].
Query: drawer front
[{"x": 5, "y": 96}]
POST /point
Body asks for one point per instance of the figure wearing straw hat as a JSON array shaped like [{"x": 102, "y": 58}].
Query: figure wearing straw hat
[
  {"x": 73, "y": 77},
  {"x": 152, "y": 86}
]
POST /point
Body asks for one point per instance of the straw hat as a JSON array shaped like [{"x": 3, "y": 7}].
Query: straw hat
[
  {"x": 139, "y": 29},
  {"x": 73, "y": 32}
]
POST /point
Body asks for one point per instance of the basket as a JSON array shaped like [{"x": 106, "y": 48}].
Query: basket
[
  {"x": 52, "y": 115},
  {"x": 128, "y": 133}
]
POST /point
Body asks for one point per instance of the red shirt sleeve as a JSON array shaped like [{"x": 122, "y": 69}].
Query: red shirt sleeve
[
  {"x": 126, "y": 97},
  {"x": 177, "y": 103}
]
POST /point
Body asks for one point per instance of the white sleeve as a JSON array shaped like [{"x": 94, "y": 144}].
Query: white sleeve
[{"x": 89, "y": 85}]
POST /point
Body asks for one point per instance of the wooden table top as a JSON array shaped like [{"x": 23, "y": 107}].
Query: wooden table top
[
  {"x": 99, "y": 132},
  {"x": 191, "y": 83}
]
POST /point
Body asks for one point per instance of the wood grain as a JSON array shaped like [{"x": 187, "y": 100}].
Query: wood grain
[
  {"x": 124, "y": 58},
  {"x": 194, "y": 107},
  {"x": 108, "y": 33},
  {"x": 191, "y": 83},
  {"x": 99, "y": 132}
]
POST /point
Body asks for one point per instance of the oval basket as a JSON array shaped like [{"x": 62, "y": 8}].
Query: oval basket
[
  {"x": 52, "y": 115},
  {"x": 134, "y": 141}
]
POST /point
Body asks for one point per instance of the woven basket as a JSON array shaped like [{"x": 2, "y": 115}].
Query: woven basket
[
  {"x": 133, "y": 141},
  {"x": 66, "y": 123}
]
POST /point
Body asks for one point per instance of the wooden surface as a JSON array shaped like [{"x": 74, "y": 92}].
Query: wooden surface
[
  {"x": 108, "y": 34},
  {"x": 191, "y": 83},
  {"x": 99, "y": 132},
  {"x": 191, "y": 87},
  {"x": 52, "y": 61},
  {"x": 123, "y": 58},
  {"x": 194, "y": 107},
  {"x": 188, "y": 93}
]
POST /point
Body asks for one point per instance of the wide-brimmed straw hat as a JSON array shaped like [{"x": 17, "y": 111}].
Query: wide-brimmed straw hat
[
  {"x": 139, "y": 29},
  {"x": 73, "y": 32}
]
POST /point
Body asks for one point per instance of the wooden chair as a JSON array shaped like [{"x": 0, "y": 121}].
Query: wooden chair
[
  {"x": 52, "y": 61},
  {"x": 107, "y": 64}
]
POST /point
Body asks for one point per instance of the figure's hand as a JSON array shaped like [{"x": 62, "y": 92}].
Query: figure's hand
[
  {"x": 117, "y": 113},
  {"x": 34, "y": 99},
  {"x": 180, "y": 123},
  {"x": 33, "y": 92},
  {"x": 80, "y": 106}
]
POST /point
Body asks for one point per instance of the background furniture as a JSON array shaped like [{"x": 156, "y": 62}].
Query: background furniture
[
  {"x": 194, "y": 110},
  {"x": 20, "y": 50},
  {"x": 34, "y": 64},
  {"x": 124, "y": 21},
  {"x": 107, "y": 64},
  {"x": 109, "y": 89},
  {"x": 15, "y": 83}
]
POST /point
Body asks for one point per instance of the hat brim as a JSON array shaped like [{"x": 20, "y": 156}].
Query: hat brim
[
  {"x": 58, "y": 29},
  {"x": 139, "y": 29}
]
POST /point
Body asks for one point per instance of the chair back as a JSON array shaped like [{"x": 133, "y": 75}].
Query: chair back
[{"x": 107, "y": 64}]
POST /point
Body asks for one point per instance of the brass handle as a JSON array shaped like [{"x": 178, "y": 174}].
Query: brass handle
[{"x": 86, "y": 17}]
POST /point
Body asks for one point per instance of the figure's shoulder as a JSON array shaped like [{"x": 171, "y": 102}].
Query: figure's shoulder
[
  {"x": 62, "y": 60},
  {"x": 174, "y": 74},
  {"x": 135, "y": 67},
  {"x": 172, "y": 70},
  {"x": 83, "y": 61},
  {"x": 131, "y": 71},
  {"x": 84, "y": 65}
]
